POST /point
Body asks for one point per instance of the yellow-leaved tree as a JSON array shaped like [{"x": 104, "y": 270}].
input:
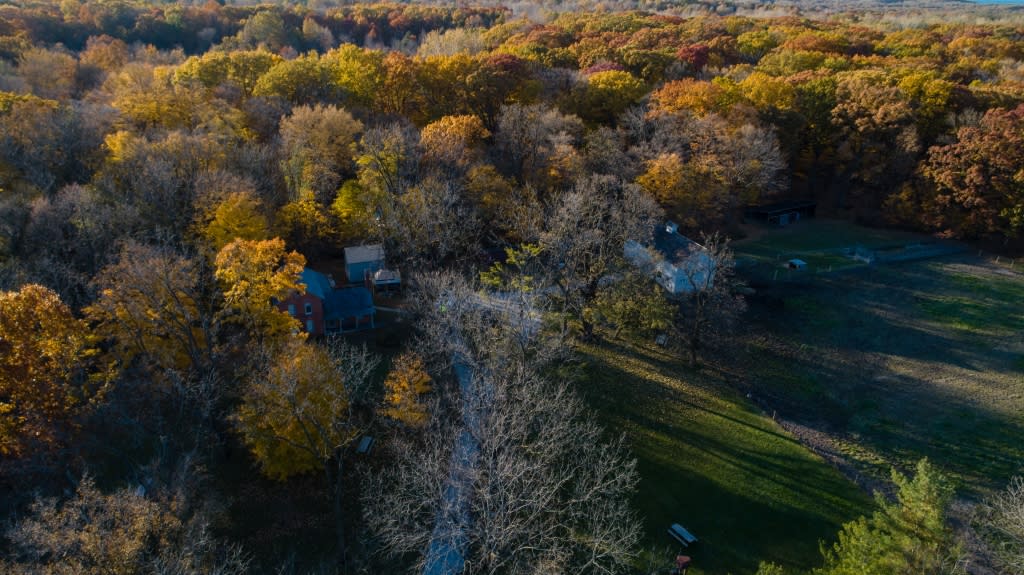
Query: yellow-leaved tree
[
  {"x": 405, "y": 385},
  {"x": 44, "y": 351},
  {"x": 296, "y": 414},
  {"x": 454, "y": 140},
  {"x": 239, "y": 215},
  {"x": 252, "y": 274},
  {"x": 152, "y": 303}
]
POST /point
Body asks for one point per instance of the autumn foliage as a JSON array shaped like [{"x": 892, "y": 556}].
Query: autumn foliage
[
  {"x": 44, "y": 351},
  {"x": 405, "y": 386}
]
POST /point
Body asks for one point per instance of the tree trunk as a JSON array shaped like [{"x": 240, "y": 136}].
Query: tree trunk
[
  {"x": 695, "y": 341},
  {"x": 336, "y": 486},
  {"x": 588, "y": 328}
]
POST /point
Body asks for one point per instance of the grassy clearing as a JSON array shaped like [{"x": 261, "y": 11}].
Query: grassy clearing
[
  {"x": 746, "y": 488},
  {"x": 899, "y": 362},
  {"x": 988, "y": 304},
  {"x": 818, "y": 242},
  {"x": 820, "y": 235}
]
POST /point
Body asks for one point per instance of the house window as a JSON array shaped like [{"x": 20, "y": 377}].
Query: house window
[
  {"x": 309, "y": 309},
  {"x": 291, "y": 309},
  {"x": 309, "y": 325}
]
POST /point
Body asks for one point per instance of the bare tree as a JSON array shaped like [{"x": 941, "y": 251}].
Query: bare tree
[
  {"x": 710, "y": 304},
  {"x": 585, "y": 235},
  {"x": 435, "y": 222},
  {"x": 527, "y": 137},
  {"x": 1001, "y": 524},
  {"x": 519, "y": 480}
]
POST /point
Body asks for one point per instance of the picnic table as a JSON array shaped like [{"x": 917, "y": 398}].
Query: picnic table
[{"x": 680, "y": 534}]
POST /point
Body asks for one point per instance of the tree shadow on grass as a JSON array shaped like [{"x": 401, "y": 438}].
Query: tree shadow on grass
[
  {"x": 894, "y": 378},
  {"x": 749, "y": 491}
]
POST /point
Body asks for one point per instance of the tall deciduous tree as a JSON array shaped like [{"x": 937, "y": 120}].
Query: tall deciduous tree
[
  {"x": 529, "y": 137},
  {"x": 296, "y": 412},
  {"x": 585, "y": 235},
  {"x": 454, "y": 141},
  {"x": 319, "y": 143},
  {"x": 607, "y": 94},
  {"x": 237, "y": 216},
  {"x": 43, "y": 352},
  {"x": 976, "y": 184},
  {"x": 158, "y": 304},
  {"x": 120, "y": 533},
  {"x": 404, "y": 387},
  {"x": 252, "y": 274}
]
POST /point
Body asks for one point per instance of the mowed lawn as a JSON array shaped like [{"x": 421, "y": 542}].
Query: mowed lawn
[
  {"x": 821, "y": 243},
  {"x": 747, "y": 489},
  {"x": 903, "y": 361}
]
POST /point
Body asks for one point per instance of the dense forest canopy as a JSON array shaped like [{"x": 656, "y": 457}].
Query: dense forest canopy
[
  {"x": 168, "y": 169},
  {"x": 855, "y": 115}
]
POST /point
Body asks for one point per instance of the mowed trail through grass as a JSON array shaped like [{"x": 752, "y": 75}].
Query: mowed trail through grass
[{"x": 746, "y": 488}]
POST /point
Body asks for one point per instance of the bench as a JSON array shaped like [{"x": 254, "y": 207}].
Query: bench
[{"x": 680, "y": 534}]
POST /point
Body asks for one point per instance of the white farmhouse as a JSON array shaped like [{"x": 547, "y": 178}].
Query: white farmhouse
[{"x": 680, "y": 264}]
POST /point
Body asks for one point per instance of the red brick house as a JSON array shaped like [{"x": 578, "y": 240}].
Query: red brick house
[
  {"x": 308, "y": 309},
  {"x": 323, "y": 309}
]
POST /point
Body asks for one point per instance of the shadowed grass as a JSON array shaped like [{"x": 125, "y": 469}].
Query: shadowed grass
[
  {"x": 746, "y": 488},
  {"x": 901, "y": 362}
]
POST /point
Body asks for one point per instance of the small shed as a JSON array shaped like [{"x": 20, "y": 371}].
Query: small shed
[
  {"x": 362, "y": 261},
  {"x": 387, "y": 280},
  {"x": 796, "y": 264},
  {"x": 782, "y": 213}
]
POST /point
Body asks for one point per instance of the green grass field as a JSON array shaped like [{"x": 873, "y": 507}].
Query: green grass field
[
  {"x": 708, "y": 460},
  {"x": 877, "y": 366},
  {"x": 818, "y": 242},
  {"x": 893, "y": 362},
  {"x": 903, "y": 361}
]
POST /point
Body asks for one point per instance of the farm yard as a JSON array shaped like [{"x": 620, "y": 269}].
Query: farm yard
[
  {"x": 827, "y": 246},
  {"x": 897, "y": 362}
]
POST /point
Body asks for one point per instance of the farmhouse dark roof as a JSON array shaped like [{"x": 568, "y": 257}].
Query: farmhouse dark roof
[
  {"x": 316, "y": 283},
  {"x": 345, "y": 303},
  {"x": 673, "y": 245}
]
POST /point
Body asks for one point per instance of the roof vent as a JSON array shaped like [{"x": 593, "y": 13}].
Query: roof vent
[{"x": 671, "y": 227}]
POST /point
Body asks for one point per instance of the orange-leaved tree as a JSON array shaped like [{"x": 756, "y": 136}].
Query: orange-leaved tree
[{"x": 44, "y": 352}]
